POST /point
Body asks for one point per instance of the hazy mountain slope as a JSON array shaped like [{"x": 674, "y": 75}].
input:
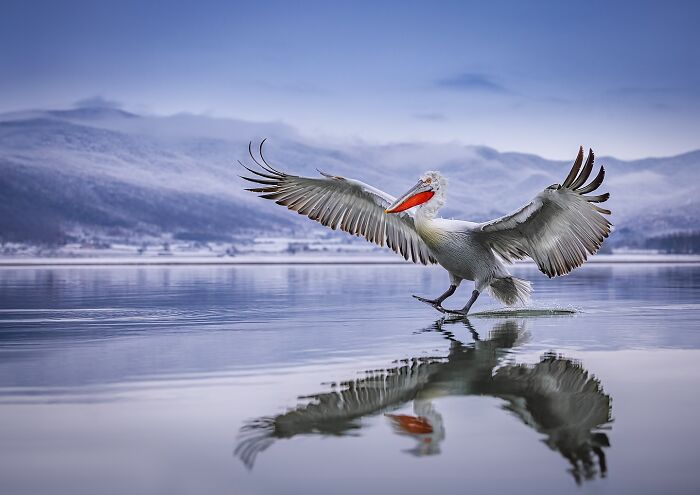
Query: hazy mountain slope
[
  {"x": 52, "y": 206},
  {"x": 112, "y": 174},
  {"x": 59, "y": 179}
]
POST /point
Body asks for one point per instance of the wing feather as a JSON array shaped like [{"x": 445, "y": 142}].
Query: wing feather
[
  {"x": 559, "y": 228},
  {"x": 585, "y": 172},
  {"x": 595, "y": 183},
  {"x": 337, "y": 202},
  {"x": 575, "y": 168}
]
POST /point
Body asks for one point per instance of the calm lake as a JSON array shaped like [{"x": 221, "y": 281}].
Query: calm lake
[{"x": 332, "y": 379}]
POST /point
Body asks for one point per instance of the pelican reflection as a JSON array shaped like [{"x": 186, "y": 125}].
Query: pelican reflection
[{"x": 556, "y": 397}]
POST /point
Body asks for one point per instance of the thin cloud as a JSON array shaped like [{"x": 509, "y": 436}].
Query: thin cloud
[
  {"x": 471, "y": 81},
  {"x": 293, "y": 87},
  {"x": 657, "y": 98},
  {"x": 97, "y": 102},
  {"x": 646, "y": 91},
  {"x": 431, "y": 116}
]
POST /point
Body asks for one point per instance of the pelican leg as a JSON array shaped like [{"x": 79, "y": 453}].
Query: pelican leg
[
  {"x": 437, "y": 302},
  {"x": 467, "y": 307}
]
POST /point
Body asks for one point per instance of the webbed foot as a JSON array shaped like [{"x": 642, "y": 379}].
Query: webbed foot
[{"x": 435, "y": 303}]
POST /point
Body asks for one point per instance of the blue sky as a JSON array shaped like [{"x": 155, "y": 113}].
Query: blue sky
[{"x": 541, "y": 77}]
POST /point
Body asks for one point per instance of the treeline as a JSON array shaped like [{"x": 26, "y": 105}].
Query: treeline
[{"x": 676, "y": 243}]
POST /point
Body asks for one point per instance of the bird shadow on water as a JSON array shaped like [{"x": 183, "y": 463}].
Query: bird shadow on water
[{"x": 556, "y": 397}]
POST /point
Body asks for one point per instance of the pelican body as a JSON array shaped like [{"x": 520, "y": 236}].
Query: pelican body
[{"x": 558, "y": 229}]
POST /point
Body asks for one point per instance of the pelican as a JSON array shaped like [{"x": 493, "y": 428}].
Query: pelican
[
  {"x": 557, "y": 397},
  {"x": 558, "y": 229}
]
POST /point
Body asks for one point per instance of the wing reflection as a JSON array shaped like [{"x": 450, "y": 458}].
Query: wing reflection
[{"x": 556, "y": 397}]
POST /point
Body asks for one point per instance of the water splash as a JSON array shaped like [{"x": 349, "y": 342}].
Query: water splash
[{"x": 524, "y": 312}]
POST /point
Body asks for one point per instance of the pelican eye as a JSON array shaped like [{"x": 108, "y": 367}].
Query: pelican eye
[{"x": 428, "y": 180}]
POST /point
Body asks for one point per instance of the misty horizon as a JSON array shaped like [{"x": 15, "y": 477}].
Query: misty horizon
[{"x": 100, "y": 103}]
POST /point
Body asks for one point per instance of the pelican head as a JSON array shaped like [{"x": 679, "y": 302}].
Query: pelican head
[{"x": 429, "y": 192}]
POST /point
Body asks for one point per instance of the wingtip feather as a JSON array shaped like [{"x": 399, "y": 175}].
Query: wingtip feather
[{"x": 574, "y": 168}]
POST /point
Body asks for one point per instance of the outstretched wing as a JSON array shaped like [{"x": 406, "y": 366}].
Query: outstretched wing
[
  {"x": 337, "y": 412},
  {"x": 344, "y": 204},
  {"x": 559, "y": 228}
]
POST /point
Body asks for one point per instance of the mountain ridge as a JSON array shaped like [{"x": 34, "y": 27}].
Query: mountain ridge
[{"x": 110, "y": 174}]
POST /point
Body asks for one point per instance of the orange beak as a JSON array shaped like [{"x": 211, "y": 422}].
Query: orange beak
[
  {"x": 411, "y": 424},
  {"x": 418, "y": 195}
]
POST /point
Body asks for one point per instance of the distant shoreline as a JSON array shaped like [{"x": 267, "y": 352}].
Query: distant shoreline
[{"x": 304, "y": 260}]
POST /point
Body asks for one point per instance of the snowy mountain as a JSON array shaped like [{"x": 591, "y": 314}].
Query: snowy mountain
[{"x": 109, "y": 174}]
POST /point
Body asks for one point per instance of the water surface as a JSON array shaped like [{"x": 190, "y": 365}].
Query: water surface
[{"x": 319, "y": 379}]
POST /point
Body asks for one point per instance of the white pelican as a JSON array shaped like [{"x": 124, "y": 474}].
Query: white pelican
[
  {"x": 557, "y": 397},
  {"x": 558, "y": 229}
]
